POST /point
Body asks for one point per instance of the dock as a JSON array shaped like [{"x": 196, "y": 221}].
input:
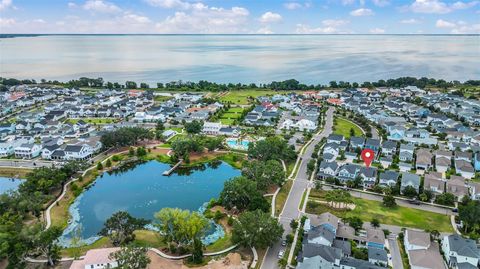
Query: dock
[{"x": 169, "y": 171}]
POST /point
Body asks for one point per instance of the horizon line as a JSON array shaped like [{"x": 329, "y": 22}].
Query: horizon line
[{"x": 201, "y": 34}]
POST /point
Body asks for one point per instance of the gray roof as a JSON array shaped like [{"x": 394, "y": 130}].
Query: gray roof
[
  {"x": 410, "y": 179},
  {"x": 464, "y": 247},
  {"x": 344, "y": 245},
  {"x": 357, "y": 140},
  {"x": 351, "y": 168},
  {"x": 335, "y": 137},
  {"x": 326, "y": 252},
  {"x": 321, "y": 231},
  {"x": 379, "y": 254},
  {"x": 368, "y": 171},
  {"x": 389, "y": 175},
  {"x": 358, "y": 264},
  {"x": 372, "y": 142},
  {"x": 389, "y": 144}
]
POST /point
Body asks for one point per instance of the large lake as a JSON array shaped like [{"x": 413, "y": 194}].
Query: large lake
[
  {"x": 9, "y": 184},
  {"x": 241, "y": 58},
  {"x": 142, "y": 191}
]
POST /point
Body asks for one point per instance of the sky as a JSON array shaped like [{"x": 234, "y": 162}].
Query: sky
[{"x": 240, "y": 17}]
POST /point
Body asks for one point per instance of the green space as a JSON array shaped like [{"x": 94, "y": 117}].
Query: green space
[
  {"x": 342, "y": 126},
  {"x": 161, "y": 98},
  {"x": 368, "y": 210},
  {"x": 282, "y": 196},
  {"x": 232, "y": 114},
  {"x": 244, "y": 97}
]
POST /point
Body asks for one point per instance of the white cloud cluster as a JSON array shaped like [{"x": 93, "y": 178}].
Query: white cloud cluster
[
  {"x": 458, "y": 27},
  {"x": 207, "y": 20},
  {"x": 101, "y": 6},
  {"x": 170, "y": 4},
  {"x": 410, "y": 21},
  {"x": 381, "y": 3},
  {"x": 292, "y": 5},
  {"x": 439, "y": 7},
  {"x": 269, "y": 17},
  {"x": 362, "y": 12},
  {"x": 334, "y": 23},
  {"x": 4, "y": 4},
  {"x": 377, "y": 31},
  {"x": 330, "y": 26}
]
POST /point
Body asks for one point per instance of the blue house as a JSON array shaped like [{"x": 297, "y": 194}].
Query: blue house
[{"x": 477, "y": 161}]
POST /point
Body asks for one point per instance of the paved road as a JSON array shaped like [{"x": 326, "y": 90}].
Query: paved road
[
  {"x": 395, "y": 251},
  {"x": 425, "y": 207},
  {"x": 300, "y": 184},
  {"x": 17, "y": 163}
]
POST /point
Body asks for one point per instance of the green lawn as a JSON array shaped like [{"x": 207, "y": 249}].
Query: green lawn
[
  {"x": 229, "y": 115},
  {"x": 242, "y": 97},
  {"x": 227, "y": 121},
  {"x": 399, "y": 216},
  {"x": 343, "y": 126},
  {"x": 282, "y": 196},
  {"x": 161, "y": 98},
  {"x": 235, "y": 110}
]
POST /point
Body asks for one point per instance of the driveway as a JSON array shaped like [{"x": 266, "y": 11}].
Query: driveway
[{"x": 290, "y": 210}]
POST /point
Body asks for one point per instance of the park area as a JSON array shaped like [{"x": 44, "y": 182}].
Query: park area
[
  {"x": 367, "y": 210},
  {"x": 343, "y": 127},
  {"x": 243, "y": 97},
  {"x": 231, "y": 115}
]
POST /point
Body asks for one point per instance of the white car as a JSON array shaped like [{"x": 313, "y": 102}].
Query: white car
[{"x": 280, "y": 254}]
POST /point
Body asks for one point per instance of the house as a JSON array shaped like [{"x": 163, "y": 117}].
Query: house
[
  {"x": 477, "y": 161},
  {"x": 96, "y": 259},
  {"x": 388, "y": 178},
  {"x": 433, "y": 182},
  {"x": 409, "y": 179},
  {"x": 325, "y": 256},
  {"x": 77, "y": 152},
  {"x": 373, "y": 144},
  {"x": 335, "y": 138},
  {"x": 320, "y": 235},
  {"x": 474, "y": 190},
  {"x": 378, "y": 256},
  {"x": 456, "y": 185},
  {"x": 350, "y": 156},
  {"x": 460, "y": 252},
  {"x": 406, "y": 152},
  {"x": 442, "y": 164},
  {"x": 348, "y": 172},
  {"x": 327, "y": 220},
  {"x": 375, "y": 238},
  {"x": 368, "y": 176},
  {"x": 389, "y": 147},
  {"x": 464, "y": 168},
  {"x": 357, "y": 142},
  {"x": 167, "y": 134},
  {"x": 351, "y": 263},
  {"x": 28, "y": 151},
  {"x": 327, "y": 170},
  {"x": 404, "y": 167},
  {"x": 424, "y": 159},
  {"x": 460, "y": 155},
  {"x": 211, "y": 128},
  {"x": 421, "y": 252},
  {"x": 229, "y": 131},
  {"x": 386, "y": 161}
]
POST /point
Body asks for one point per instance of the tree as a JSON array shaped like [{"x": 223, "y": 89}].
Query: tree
[
  {"x": 389, "y": 201},
  {"x": 264, "y": 173},
  {"x": 271, "y": 148},
  {"x": 194, "y": 127},
  {"x": 181, "y": 226},
  {"x": 131, "y": 257},
  {"x": 447, "y": 199},
  {"x": 45, "y": 244},
  {"x": 99, "y": 166},
  {"x": 409, "y": 191},
  {"x": 197, "y": 253},
  {"x": 469, "y": 213},
  {"x": 256, "y": 229},
  {"x": 238, "y": 193},
  {"x": 375, "y": 223},
  {"x": 120, "y": 227},
  {"x": 108, "y": 163},
  {"x": 355, "y": 222}
]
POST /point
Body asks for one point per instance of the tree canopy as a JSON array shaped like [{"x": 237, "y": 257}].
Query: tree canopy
[
  {"x": 125, "y": 136},
  {"x": 256, "y": 229},
  {"x": 265, "y": 173},
  {"x": 271, "y": 148},
  {"x": 120, "y": 227}
]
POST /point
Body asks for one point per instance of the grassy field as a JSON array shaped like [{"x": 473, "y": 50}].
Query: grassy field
[
  {"x": 243, "y": 97},
  {"x": 14, "y": 172},
  {"x": 232, "y": 114},
  {"x": 399, "y": 216},
  {"x": 343, "y": 127},
  {"x": 161, "y": 98},
  {"x": 282, "y": 196}
]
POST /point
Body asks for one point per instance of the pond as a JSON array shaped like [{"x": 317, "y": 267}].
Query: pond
[
  {"x": 9, "y": 184},
  {"x": 142, "y": 191}
]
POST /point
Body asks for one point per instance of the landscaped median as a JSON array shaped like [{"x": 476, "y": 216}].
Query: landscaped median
[
  {"x": 368, "y": 210},
  {"x": 343, "y": 127}
]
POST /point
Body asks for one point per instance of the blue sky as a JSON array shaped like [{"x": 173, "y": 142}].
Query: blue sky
[{"x": 241, "y": 17}]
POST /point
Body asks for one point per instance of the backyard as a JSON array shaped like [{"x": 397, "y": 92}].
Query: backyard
[
  {"x": 367, "y": 210},
  {"x": 343, "y": 127},
  {"x": 232, "y": 114}
]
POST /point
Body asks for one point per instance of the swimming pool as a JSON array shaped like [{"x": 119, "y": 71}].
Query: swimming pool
[{"x": 236, "y": 144}]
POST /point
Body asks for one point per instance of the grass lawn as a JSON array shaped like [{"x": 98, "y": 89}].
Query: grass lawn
[
  {"x": 161, "y": 98},
  {"x": 220, "y": 244},
  {"x": 227, "y": 121},
  {"x": 399, "y": 216},
  {"x": 241, "y": 97},
  {"x": 282, "y": 196},
  {"x": 229, "y": 115},
  {"x": 235, "y": 110},
  {"x": 11, "y": 172},
  {"x": 343, "y": 127}
]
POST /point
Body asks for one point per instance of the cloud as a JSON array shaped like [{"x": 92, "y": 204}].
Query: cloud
[
  {"x": 138, "y": 19},
  {"x": 7, "y": 22},
  {"x": 71, "y": 5},
  {"x": 305, "y": 29},
  {"x": 444, "y": 24},
  {"x": 334, "y": 23},
  {"x": 410, "y": 21},
  {"x": 265, "y": 31},
  {"x": 381, "y": 3},
  {"x": 170, "y": 4},
  {"x": 292, "y": 5},
  {"x": 377, "y": 31},
  {"x": 4, "y": 4},
  {"x": 439, "y": 7},
  {"x": 459, "y": 27},
  {"x": 362, "y": 12},
  {"x": 348, "y": 2},
  {"x": 268, "y": 17},
  {"x": 101, "y": 6},
  {"x": 209, "y": 20}
]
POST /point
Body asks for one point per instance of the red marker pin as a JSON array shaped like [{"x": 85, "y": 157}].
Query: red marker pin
[{"x": 367, "y": 156}]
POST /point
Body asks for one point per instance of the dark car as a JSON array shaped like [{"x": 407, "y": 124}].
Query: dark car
[
  {"x": 455, "y": 210},
  {"x": 414, "y": 202}
]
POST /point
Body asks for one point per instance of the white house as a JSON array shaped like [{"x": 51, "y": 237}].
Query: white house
[
  {"x": 96, "y": 259},
  {"x": 460, "y": 252},
  {"x": 211, "y": 128},
  {"x": 28, "y": 151}
]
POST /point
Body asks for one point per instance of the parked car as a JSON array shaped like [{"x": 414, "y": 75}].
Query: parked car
[
  {"x": 284, "y": 242},
  {"x": 455, "y": 210},
  {"x": 280, "y": 254},
  {"x": 414, "y": 202}
]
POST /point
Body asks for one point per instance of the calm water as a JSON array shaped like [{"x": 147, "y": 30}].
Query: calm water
[
  {"x": 227, "y": 58},
  {"x": 142, "y": 191},
  {"x": 9, "y": 184}
]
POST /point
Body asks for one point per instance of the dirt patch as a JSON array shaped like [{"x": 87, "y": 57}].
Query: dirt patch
[
  {"x": 231, "y": 261},
  {"x": 159, "y": 150}
]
